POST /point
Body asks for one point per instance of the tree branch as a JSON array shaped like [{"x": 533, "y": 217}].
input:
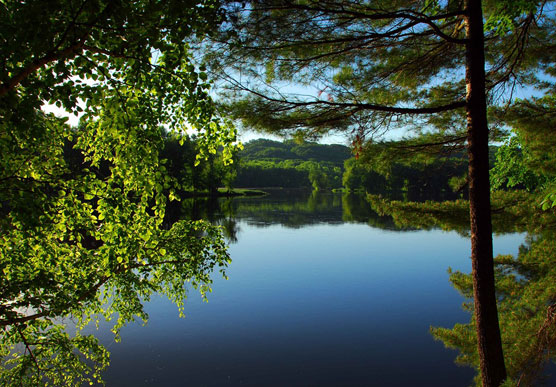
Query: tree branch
[
  {"x": 51, "y": 56},
  {"x": 378, "y": 14},
  {"x": 290, "y": 105},
  {"x": 28, "y": 348},
  {"x": 38, "y": 63}
]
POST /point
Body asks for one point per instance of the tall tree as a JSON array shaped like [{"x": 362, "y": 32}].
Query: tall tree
[
  {"x": 366, "y": 67},
  {"x": 82, "y": 208}
]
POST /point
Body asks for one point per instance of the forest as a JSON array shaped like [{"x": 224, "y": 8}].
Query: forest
[
  {"x": 264, "y": 163},
  {"x": 115, "y": 117}
]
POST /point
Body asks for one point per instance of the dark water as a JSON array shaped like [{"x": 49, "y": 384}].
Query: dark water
[{"x": 321, "y": 292}]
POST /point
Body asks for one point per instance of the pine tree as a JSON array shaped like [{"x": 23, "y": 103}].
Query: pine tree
[{"x": 428, "y": 67}]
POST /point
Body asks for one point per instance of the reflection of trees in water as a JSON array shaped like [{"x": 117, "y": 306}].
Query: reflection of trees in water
[
  {"x": 526, "y": 284},
  {"x": 305, "y": 208},
  {"x": 357, "y": 209},
  {"x": 289, "y": 208},
  {"x": 292, "y": 209},
  {"x": 512, "y": 212}
]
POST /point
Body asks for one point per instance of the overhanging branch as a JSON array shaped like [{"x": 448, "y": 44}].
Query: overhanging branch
[
  {"x": 51, "y": 56},
  {"x": 290, "y": 105}
]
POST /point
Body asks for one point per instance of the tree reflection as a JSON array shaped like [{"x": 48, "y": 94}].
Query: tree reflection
[
  {"x": 526, "y": 286},
  {"x": 289, "y": 208},
  {"x": 295, "y": 209}
]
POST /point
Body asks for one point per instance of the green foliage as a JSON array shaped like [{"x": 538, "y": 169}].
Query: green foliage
[
  {"x": 502, "y": 15},
  {"x": 58, "y": 361},
  {"x": 534, "y": 166},
  {"x": 549, "y": 200},
  {"x": 198, "y": 175},
  {"x": 289, "y": 164},
  {"x": 82, "y": 209},
  {"x": 319, "y": 179},
  {"x": 360, "y": 176},
  {"x": 511, "y": 168}
]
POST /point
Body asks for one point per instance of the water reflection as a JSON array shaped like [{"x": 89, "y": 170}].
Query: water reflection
[
  {"x": 324, "y": 291},
  {"x": 526, "y": 289},
  {"x": 527, "y": 314},
  {"x": 289, "y": 208},
  {"x": 315, "y": 296}
]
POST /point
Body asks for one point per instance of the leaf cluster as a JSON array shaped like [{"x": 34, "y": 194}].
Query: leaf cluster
[{"x": 82, "y": 209}]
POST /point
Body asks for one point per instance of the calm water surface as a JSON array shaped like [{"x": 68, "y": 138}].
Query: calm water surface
[{"x": 321, "y": 292}]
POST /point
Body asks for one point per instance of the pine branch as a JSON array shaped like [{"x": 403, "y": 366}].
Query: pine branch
[{"x": 290, "y": 105}]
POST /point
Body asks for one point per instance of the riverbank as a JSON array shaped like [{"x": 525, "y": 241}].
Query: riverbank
[{"x": 223, "y": 192}]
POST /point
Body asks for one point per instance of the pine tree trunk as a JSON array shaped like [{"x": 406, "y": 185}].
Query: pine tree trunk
[{"x": 493, "y": 371}]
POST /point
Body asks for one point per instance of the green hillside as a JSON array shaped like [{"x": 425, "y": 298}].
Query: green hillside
[
  {"x": 264, "y": 149},
  {"x": 288, "y": 164}
]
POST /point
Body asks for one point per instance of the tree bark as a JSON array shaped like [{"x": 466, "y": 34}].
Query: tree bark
[{"x": 493, "y": 370}]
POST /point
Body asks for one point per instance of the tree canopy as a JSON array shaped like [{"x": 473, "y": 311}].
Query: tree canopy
[
  {"x": 82, "y": 208},
  {"x": 363, "y": 67}
]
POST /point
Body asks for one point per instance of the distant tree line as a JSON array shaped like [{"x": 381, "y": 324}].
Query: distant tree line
[
  {"x": 288, "y": 164},
  {"x": 265, "y": 163}
]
